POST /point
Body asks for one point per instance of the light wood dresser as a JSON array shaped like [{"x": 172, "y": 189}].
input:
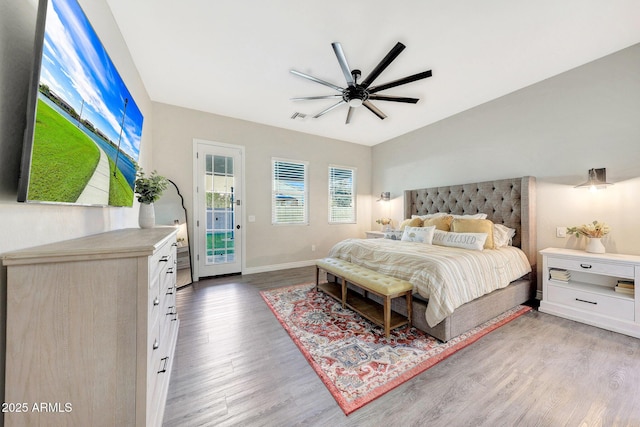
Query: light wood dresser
[{"x": 91, "y": 330}]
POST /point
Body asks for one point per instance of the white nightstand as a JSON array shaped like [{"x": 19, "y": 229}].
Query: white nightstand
[{"x": 589, "y": 294}]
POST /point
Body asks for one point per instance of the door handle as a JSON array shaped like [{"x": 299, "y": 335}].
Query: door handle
[{"x": 238, "y": 227}]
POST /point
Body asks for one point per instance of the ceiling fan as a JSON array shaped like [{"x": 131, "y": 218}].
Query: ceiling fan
[{"x": 357, "y": 94}]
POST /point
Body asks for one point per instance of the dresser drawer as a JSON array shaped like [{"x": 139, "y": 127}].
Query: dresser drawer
[
  {"x": 162, "y": 260},
  {"x": 153, "y": 306},
  {"x": 593, "y": 266},
  {"x": 157, "y": 385},
  {"x": 154, "y": 338},
  {"x": 618, "y": 308}
]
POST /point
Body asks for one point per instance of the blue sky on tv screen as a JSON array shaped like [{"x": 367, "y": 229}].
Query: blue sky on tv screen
[{"x": 77, "y": 68}]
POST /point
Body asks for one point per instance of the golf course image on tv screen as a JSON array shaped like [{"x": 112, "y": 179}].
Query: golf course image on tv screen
[{"x": 83, "y": 141}]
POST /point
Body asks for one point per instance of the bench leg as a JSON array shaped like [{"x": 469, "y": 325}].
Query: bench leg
[
  {"x": 409, "y": 298},
  {"x": 344, "y": 292},
  {"x": 317, "y": 277},
  {"x": 387, "y": 316}
]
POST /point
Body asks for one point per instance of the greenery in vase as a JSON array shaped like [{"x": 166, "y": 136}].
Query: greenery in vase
[
  {"x": 593, "y": 229},
  {"x": 149, "y": 188}
]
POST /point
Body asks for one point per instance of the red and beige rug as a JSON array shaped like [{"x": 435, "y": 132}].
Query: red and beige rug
[{"x": 351, "y": 355}]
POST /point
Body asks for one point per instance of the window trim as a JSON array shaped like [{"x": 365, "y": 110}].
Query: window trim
[
  {"x": 354, "y": 194},
  {"x": 305, "y": 192}
]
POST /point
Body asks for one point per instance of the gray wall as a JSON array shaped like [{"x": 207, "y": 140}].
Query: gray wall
[
  {"x": 555, "y": 130},
  {"x": 267, "y": 247}
]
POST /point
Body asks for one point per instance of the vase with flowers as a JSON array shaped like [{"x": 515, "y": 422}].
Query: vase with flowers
[
  {"x": 385, "y": 222},
  {"x": 594, "y": 232}
]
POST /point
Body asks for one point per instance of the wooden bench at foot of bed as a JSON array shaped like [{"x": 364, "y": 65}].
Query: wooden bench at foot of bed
[{"x": 384, "y": 286}]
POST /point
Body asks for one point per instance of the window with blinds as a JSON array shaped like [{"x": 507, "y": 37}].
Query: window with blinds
[
  {"x": 290, "y": 192},
  {"x": 342, "y": 199}
]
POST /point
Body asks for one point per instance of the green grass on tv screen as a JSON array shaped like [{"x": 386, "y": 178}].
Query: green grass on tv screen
[{"x": 64, "y": 159}]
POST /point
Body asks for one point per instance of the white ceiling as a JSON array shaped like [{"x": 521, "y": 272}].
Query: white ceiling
[{"x": 233, "y": 58}]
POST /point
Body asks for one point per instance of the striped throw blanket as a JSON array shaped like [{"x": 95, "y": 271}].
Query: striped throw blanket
[{"x": 448, "y": 277}]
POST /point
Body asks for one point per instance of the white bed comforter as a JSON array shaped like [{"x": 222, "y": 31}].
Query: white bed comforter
[{"x": 448, "y": 277}]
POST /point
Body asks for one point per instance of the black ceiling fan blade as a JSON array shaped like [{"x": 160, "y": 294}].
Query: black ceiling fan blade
[
  {"x": 374, "y": 110},
  {"x": 394, "y": 98},
  {"x": 326, "y": 110},
  {"x": 401, "y": 81},
  {"x": 349, "y": 113},
  {"x": 317, "y": 80},
  {"x": 308, "y": 98},
  {"x": 393, "y": 53},
  {"x": 342, "y": 60}
]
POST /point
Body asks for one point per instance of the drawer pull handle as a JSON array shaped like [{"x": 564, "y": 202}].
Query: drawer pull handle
[
  {"x": 585, "y": 265},
  {"x": 174, "y": 244},
  {"x": 164, "y": 259},
  {"x": 165, "y": 361},
  {"x": 588, "y": 302},
  {"x": 156, "y": 301},
  {"x": 170, "y": 270},
  {"x": 170, "y": 291},
  {"x": 156, "y": 344}
]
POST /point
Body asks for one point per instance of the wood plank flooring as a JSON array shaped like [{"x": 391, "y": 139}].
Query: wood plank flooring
[{"x": 236, "y": 366}]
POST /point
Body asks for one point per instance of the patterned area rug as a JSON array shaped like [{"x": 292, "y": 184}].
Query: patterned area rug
[{"x": 351, "y": 355}]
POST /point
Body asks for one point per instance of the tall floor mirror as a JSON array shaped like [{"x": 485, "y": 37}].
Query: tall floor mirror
[{"x": 170, "y": 210}]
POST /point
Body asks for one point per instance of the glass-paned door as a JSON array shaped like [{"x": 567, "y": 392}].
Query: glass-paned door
[{"x": 219, "y": 210}]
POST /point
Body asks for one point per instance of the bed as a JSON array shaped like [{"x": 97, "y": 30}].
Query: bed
[{"x": 510, "y": 202}]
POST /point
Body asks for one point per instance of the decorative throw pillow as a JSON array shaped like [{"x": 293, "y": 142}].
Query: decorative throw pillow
[
  {"x": 429, "y": 216},
  {"x": 441, "y": 222},
  {"x": 411, "y": 222},
  {"x": 475, "y": 226},
  {"x": 474, "y": 241},
  {"x": 502, "y": 235},
  {"x": 393, "y": 235},
  {"x": 418, "y": 234},
  {"x": 474, "y": 216}
]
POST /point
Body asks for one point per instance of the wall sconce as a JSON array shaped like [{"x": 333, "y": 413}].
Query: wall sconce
[
  {"x": 597, "y": 180},
  {"x": 384, "y": 197}
]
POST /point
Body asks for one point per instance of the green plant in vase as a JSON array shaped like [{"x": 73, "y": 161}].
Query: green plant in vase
[{"x": 149, "y": 189}]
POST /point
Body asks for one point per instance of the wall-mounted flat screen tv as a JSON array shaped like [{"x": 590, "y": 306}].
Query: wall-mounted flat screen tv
[{"x": 83, "y": 132}]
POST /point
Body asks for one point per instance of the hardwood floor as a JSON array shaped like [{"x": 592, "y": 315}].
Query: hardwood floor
[{"x": 236, "y": 366}]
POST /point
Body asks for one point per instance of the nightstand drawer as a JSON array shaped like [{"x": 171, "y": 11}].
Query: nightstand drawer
[
  {"x": 619, "y": 308},
  {"x": 593, "y": 266}
]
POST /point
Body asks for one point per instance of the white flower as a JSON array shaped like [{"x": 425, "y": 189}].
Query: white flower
[{"x": 593, "y": 229}]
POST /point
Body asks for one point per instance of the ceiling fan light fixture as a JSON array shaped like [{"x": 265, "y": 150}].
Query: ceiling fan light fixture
[{"x": 356, "y": 94}]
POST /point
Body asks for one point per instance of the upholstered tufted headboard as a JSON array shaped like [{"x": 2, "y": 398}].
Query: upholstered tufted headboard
[{"x": 505, "y": 201}]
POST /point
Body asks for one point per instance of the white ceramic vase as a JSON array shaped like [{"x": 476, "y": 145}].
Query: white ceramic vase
[
  {"x": 147, "y": 216},
  {"x": 594, "y": 245}
]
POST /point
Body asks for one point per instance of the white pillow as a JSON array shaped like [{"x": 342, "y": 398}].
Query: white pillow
[
  {"x": 474, "y": 241},
  {"x": 435, "y": 215},
  {"x": 429, "y": 216},
  {"x": 418, "y": 234},
  {"x": 502, "y": 235},
  {"x": 474, "y": 216}
]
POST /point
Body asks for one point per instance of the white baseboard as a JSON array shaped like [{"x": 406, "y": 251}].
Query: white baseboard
[{"x": 274, "y": 267}]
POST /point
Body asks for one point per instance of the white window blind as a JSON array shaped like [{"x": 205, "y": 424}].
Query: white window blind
[
  {"x": 289, "y": 192},
  {"x": 342, "y": 200}
]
